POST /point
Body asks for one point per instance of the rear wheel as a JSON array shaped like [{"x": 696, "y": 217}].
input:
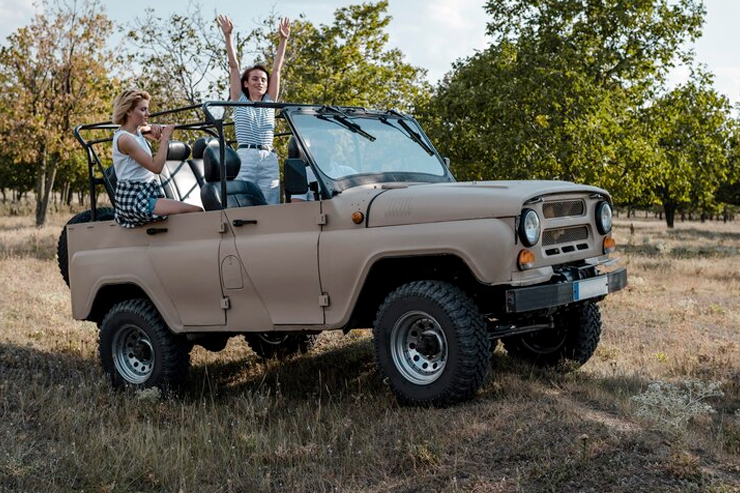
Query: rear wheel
[
  {"x": 574, "y": 338},
  {"x": 138, "y": 350},
  {"x": 103, "y": 214},
  {"x": 280, "y": 345},
  {"x": 431, "y": 344}
]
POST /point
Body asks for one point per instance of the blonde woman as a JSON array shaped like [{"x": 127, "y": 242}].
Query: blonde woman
[
  {"x": 139, "y": 197},
  {"x": 255, "y": 127}
]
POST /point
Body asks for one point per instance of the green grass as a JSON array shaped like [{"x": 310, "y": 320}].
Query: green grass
[{"x": 326, "y": 422}]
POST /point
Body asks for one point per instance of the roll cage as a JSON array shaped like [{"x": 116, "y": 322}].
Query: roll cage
[{"x": 209, "y": 118}]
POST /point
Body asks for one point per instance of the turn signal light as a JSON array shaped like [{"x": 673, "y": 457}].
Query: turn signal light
[
  {"x": 358, "y": 217},
  {"x": 609, "y": 245},
  {"x": 525, "y": 260}
]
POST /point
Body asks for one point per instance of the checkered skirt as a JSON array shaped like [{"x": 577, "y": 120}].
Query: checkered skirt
[{"x": 132, "y": 202}]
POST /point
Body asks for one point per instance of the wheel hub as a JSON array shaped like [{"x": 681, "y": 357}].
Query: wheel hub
[
  {"x": 429, "y": 344},
  {"x": 133, "y": 354},
  {"x": 419, "y": 347}
]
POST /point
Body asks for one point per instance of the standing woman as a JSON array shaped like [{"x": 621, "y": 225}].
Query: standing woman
[
  {"x": 139, "y": 198},
  {"x": 255, "y": 127}
]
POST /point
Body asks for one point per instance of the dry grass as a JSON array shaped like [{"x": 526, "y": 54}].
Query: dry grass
[{"x": 324, "y": 421}]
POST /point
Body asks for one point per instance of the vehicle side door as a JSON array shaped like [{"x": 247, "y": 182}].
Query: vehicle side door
[
  {"x": 184, "y": 251},
  {"x": 277, "y": 245}
]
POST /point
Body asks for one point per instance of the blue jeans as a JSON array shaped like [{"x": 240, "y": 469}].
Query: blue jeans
[{"x": 261, "y": 168}]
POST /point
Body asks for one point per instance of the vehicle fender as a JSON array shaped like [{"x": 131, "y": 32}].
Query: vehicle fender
[
  {"x": 91, "y": 271},
  {"x": 486, "y": 246}
]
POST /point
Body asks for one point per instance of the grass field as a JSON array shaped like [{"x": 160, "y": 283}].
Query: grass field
[{"x": 655, "y": 410}]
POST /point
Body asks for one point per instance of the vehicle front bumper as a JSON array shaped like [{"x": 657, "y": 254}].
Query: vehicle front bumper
[{"x": 552, "y": 295}]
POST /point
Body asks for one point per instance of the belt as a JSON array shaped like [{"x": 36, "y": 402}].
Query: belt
[{"x": 255, "y": 146}]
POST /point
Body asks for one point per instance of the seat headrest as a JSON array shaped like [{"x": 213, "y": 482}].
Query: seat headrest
[
  {"x": 199, "y": 146},
  {"x": 211, "y": 164},
  {"x": 177, "y": 151}
]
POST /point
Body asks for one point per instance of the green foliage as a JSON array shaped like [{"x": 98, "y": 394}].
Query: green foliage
[
  {"x": 691, "y": 130},
  {"x": 54, "y": 74},
  {"x": 569, "y": 90},
  {"x": 346, "y": 63}
]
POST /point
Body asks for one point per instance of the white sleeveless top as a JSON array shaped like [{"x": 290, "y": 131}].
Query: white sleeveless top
[{"x": 127, "y": 169}]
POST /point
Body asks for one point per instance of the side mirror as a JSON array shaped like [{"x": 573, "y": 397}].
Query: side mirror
[
  {"x": 294, "y": 174},
  {"x": 446, "y": 161}
]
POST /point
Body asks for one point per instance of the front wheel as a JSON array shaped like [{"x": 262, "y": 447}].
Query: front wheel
[
  {"x": 138, "y": 350},
  {"x": 574, "y": 338},
  {"x": 431, "y": 344}
]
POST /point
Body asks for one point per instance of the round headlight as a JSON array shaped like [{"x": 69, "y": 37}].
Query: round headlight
[
  {"x": 604, "y": 217},
  {"x": 529, "y": 227}
]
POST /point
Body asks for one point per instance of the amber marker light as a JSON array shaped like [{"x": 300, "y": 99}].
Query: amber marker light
[
  {"x": 609, "y": 245},
  {"x": 525, "y": 260},
  {"x": 358, "y": 217}
]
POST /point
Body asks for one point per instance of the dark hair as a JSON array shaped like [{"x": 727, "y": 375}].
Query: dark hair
[{"x": 245, "y": 77}]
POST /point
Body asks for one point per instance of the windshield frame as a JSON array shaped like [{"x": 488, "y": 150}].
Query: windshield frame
[{"x": 330, "y": 186}]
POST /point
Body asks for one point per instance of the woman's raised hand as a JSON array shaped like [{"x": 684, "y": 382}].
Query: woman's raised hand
[
  {"x": 225, "y": 24},
  {"x": 284, "y": 28}
]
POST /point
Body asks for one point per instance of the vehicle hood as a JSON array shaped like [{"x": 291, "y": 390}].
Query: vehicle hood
[{"x": 399, "y": 204}]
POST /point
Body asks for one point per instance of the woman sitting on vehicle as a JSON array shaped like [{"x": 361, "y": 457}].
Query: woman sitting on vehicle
[{"x": 139, "y": 197}]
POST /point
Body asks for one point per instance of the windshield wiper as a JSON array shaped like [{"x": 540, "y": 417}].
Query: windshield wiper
[
  {"x": 412, "y": 134},
  {"x": 341, "y": 119}
]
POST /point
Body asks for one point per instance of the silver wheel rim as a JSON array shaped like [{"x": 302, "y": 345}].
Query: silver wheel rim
[
  {"x": 419, "y": 347},
  {"x": 133, "y": 354}
]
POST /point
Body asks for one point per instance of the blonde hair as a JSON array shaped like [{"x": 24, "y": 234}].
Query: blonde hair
[{"x": 125, "y": 102}]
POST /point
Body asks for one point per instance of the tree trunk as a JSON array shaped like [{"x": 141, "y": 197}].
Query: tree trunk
[
  {"x": 670, "y": 214},
  {"x": 44, "y": 186}
]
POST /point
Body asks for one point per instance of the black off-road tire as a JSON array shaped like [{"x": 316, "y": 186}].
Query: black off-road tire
[
  {"x": 138, "y": 350},
  {"x": 574, "y": 338},
  {"x": 431, "y": 344},
  {"x": 270, "y": 345},
  {"x": 103, "y": 214}
]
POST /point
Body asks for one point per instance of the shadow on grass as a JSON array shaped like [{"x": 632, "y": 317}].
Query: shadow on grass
[
  {"x": 339, "y": 373},
  {"x": 46, "y": 368}
]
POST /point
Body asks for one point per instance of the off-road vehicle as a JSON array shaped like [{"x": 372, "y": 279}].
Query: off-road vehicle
[{"x": 384, "y": 238}]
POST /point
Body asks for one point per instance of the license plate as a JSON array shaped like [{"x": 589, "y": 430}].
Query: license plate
[{"x": 590, "y": 288}]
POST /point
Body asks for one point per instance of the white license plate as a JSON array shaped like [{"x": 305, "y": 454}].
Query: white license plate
[{"x": 590, "y": 288}]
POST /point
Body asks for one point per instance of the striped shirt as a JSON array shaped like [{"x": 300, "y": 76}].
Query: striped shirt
[{"x": 254, "y": 125}]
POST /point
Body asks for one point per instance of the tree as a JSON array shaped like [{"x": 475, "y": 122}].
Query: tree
[
  {"x": 560, "y": 92},
  {"x": 692, "y": 131},
  {"x": 346, "y": 63},
  {"x": 178, "y": 59},
  {"x": 182, "y": 59},
  {"x": 54, "y": 75}
]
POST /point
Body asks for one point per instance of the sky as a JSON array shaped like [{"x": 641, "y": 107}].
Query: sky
[{"x": 432, "y": 34}]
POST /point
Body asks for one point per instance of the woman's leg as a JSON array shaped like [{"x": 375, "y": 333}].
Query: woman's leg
[
  {"x": 269, "y": 177},
  {"x": 165, "y": 207}
]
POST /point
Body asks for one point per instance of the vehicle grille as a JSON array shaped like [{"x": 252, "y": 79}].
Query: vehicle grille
[
  {"x": 563, "y": 209},
  {"x": 564, "y": 235}
]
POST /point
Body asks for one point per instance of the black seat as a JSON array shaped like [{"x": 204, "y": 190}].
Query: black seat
[
  {"x": 196, "y": 161},
  {"x": 239, "y": 193}
]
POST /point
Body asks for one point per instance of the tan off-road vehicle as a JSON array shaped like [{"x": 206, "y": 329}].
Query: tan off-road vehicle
[{"x": 384, "y": 237}]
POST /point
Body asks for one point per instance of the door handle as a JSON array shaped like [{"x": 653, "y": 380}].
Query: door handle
[
  {"x": 155, "y": 231},
  {"x": 242, "y": 222}
]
